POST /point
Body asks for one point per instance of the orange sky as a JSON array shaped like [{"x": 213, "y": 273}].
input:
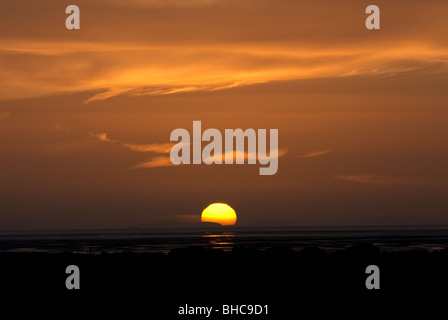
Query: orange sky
[{"x": 86, "y": 115}]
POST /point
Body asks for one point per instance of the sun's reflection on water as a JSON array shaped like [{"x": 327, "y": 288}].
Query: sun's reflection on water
[{"x": 220, "y": 240}]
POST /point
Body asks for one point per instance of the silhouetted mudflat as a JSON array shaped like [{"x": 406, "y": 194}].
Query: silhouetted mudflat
[{"x": 290, "y": 282}]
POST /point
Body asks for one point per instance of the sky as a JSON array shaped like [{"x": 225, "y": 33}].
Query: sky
[{"x": 86, "y": 115}]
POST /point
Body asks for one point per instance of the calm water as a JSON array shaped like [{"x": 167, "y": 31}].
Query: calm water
[{"x": 163, "y": 240}]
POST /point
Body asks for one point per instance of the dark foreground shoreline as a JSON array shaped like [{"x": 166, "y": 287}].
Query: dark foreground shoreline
[{"x": 290, "y": 282}]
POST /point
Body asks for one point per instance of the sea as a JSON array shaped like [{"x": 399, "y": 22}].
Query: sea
[{"x": 165, "y": 240}]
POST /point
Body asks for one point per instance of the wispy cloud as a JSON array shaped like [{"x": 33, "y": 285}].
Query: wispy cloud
[
  {"x": 157, "y": 148},
  {"x": 154, "y": 147},
  {"x": 191, "y": 46},
  {"x": 163, "y": 161},
  {"x": 110, "y": 93},
  {"x": 33, "y": 69},
  {"x": 385, "y": 180},
  {"x": 102, "y": 137},
  {"x": 160, "y": 161},
  {"x": 314, "y": 153},
  {"x": 246, "y": 155},
  {"x": 155, "y": 91}
]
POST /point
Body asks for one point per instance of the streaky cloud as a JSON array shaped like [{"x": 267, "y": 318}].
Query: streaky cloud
[
  {"x": 314, "y": 153},
  {"x": 102, "y": 137},
  {"x": 160, "y": 161},
  {"x": 34, "y": 69},
  {"x": 154, "y": 147},
  {"x": 163, "y": 161}
]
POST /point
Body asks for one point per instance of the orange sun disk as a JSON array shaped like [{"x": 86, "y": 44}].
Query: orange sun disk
[{"x": 219, "y": 213}]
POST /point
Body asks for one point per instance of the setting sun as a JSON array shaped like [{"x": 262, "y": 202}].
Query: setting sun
[{"x": 219, "y": 213}]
